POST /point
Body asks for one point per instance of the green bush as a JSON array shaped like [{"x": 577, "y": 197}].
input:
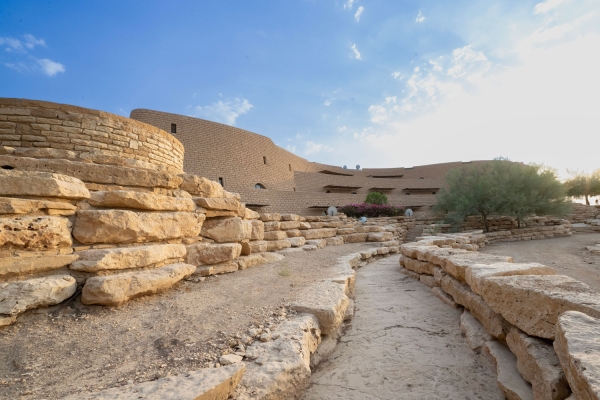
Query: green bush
[
  {"x": 376, "y": 198},
  {"x": 371, "y": 210}
]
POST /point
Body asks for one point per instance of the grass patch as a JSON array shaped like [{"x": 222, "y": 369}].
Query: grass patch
[{"x": 285, "y": 271}]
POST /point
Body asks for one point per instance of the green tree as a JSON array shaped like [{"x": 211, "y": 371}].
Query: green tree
[
  {"x": 376, "y": 198},
  {"x": 583, "y": 185}
]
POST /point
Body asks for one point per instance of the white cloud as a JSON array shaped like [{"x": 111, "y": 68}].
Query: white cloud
[
  {"x": 21, "y": 46},
  {"x": 328, "y": 103},
  {"x": 291, "y": 148},
  {"x": 342, "y": 128},
  {"x": 314, "y": 148},
  {"x": 359, "y": 13},
  {"x": 397, "y": 75},
  {"x": 547, "y": 5},
  {"x": 298, "y": 136},
  {"x": 50, "y": 67},
  {"x": 31, "y": 41},
  {"x": 420, "y": 17},
  {"x": 348, "y": 5},
  {"x": 225, "y": 112},
  {"x": 355, "y": 52}
]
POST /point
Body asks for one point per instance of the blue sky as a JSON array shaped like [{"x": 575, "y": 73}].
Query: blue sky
[{"x": 371, "y": 82}]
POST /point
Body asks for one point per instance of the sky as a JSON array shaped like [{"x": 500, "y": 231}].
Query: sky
[{"x": 378, "y": 83}]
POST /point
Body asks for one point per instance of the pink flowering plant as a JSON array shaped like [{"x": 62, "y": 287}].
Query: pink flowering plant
[{"x": 371, "y": 210}]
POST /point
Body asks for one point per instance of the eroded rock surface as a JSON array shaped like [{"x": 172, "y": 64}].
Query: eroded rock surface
[
  {"x": 17, "y": 297},
  {"x": 125, "y": 258}
]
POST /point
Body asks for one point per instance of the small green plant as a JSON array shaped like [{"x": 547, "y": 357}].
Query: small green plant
[
  {"x": 285, "y": 271},
  {"x": 376, "y": 198}
]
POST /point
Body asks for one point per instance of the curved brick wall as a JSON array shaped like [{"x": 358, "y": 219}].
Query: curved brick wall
[{"x": 40, "y": 124}]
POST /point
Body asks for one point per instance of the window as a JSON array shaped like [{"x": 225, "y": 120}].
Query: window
[
  {"x": 173, "y": 128},
  {"x": 421, "y": 177},
  {"x": 290, "y": 165},
  {"x": 432, "y": 192},
  {"x": 221, "y": 182},
  {"x": 259, "y": 186},
  {"x": 328, "y": 191},
  {"x": 353, "y": 192},
  {"x": 264, "y": 159},
  {"x": 408, "y": 194}
]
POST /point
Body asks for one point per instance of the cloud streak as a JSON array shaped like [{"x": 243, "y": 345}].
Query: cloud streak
[
  {"x": 355, "y": 53},
  {"x": 359, "y": 13},
  {"x": 226, "y": 112}
]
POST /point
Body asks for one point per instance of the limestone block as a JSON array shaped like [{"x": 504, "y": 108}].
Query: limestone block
[
  {"x": 26, "y": 206},
  {"x": 293, "y": 233},
  {"x": 379, "y": 236},
  {"x": 304, "y": 225},
  {"x": 285, "y": 225},
  {"x": 212, "y": 253},
  {"x": 346, "y": 231},
  {"x": 272, "y": 226},
  {"x": 140, "y": 200},
  {"x": 113, "y": 290},
  {"x": 17, "y": 266},
  {"x": 355, "y": 238},
  {"x": 319, "y": 243},
  {"x": 17, "y": 297},
  {"x": 420, "y": 267},
  {"x": 41, "y": 184},
  {"x": 474, "y": 332},
  {"x": 258, "y": 230},
  {"x": 200, "y": 186},
  {"x": 578, "y": 350},
  {"x": 218, "y": 204},
  {"x": 493, "y": 323},
  {"x": 123, "y": 226},
  {"x": 327, "y": 301},
  {"x": 297, "y": 241},
  {"x": 275, "y": 235},
  {"x": 429, "y": 281},
  {"x": 247, "y": 229},
  {"x": 410, "y": 249},
  {"x": 539, "y": 365},
  {"x": 251, "y": 214},
  {"x": 291, "y": 217},
  {"x": 216, "y": 269},
  {"x": 218, "y": 213},
  {"x": 334, "y": 241},
  {"x": 533, "y": 303},
  {"x": 6, "y": 320},
  {"x": 457, "y": 264},
  {"x": 475, "y": 274},
  {"x": 274, "y": 245},
  {"x": 246, "y": 249},
  {"x": 35, "y": 233},
  {"x": 95, "y": 173},
  {"x": 202, "y": 384},
  {"x": 95, "y": 260},
  {"x": 445, "y": 297},
  {"x": 509, "y": 379},
  {"x": 270, "y": 217},
  {"x": 225, "y": 229},
  {"x": 438, "y": 256},
  {"x": 383, "y": 251},
  {"x": 251, "y": 260},
  {"x": 272, "y": 257},
  {"x": 258, "y": 246},
  {"x": 319, "y": 233}
]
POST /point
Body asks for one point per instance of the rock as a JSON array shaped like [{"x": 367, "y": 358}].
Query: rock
[
  {"x": 304, "y": 225},
  {"x": 6, "y": 320},
  {"x": 438, "y": 256},
  {"x": 272, "y": 257},
  {"x": 413, "y": 275},
  {"x": 216, "y": 214},
  {"x": 475, "y": 274},
  {"x": 250, "y": 214},
  {"x": 113, "y": 290},
  {"x": 509, "y": 380},
  {"x": 297, "y": 241},
  {"x": 270, "y": 217},
  {"x": 420, "y": 267},
  {"x": 274, "y": 245},
  {"x": 286, "y": 225},
  {"x": 443, "y": 296},
  {"x": 123, "y": 226},
  {"x": 319, "y": 243},
  {"x": 259, "y": 246},
  {"x": 141, "y": 201},
  {"x": 429, "y": 281},
  {"x": 202, "y": 384},
  {"x": 16, "y": 266},
  {"x": 41, "y": 184},
  {"x": 251, "y": 260},
  {"x": 95, "y": 173},
  {"x": 493, "y": 323},
  {"x": 216, "y": 269},
  {"x": 474, "y": 332},
  {"x": 379, "y": 236},
  {"x": 35, "y": 233},
  {"x": 309, "y": 247},
  {"x": 200, "y": 186},
  {"x": 533, "y": 303},
  {"x": 319, "y": 233},
  {"x": 410, "y": 249},
  {"x": 275, "y": 235},
  {"x": 578, "y": 350},
  {"x": 225, "y": 229},
  {"x": 258, "y": 230},
  {"x": 218, "y": 204},
  {"x": 326, "y": 301},
  {"x": 291, "y": 217},
  {"x": 355, "y": 238},
  {"x": 325, "y": 349},
  {"x": 383, "y": 251},
  {"x": 27, "y": 206},
  {"x": 126, "y": 257},
  {"x": 272, "y": 226},
  {"x": 334, "y": 241},
  {"x": 538, "y": 364},
  {"x": 212, "y": 253},
  {"x": 457, "y": 264},
  {"x": 17, "y": 297},
  {"x": 229, "y": 359}
]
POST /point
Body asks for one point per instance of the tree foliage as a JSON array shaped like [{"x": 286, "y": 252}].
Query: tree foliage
[
  {"x": 583, "y": 185},
  {"x": 501, "y": 187},
  {"x": 376, "y": 198},
  {"x": 371, "y": 210}
]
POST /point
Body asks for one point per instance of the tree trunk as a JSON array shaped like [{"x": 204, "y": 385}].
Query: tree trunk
[
  {"x": 518, "y": 223},
  {"x": 485, "y": 222},
  {"x": 587, "y": 201}
]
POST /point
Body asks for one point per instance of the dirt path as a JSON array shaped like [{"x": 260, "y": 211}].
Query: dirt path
[
  {"x": 567, "y": 255},
  {"x": 56, "y": 351},
  {"x": 404, "y": 343}
]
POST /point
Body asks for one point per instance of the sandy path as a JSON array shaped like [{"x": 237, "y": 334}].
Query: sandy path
[
  {"x": 568, "y": 255},
  {"x": 404, "y": 343}
]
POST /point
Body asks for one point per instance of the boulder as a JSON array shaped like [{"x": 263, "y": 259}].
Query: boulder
[
  {"x": 438, "y": 256},
  {"x": 28, "y": 206},
  {"x": 429, "y": 281},
  {"x": 327, "y": 301},
  {"x": 355, "y": 238},
  {"x": 538, "y": 364},
  {"x": 17, "y": 297},
  {"x": 16, "y": 266},
  {"x": 272, "y": 257},
  {"x": 420, "y": 267},
  {"x": 304, "y": 225},
  {"x": 113, "y": 290},
  {"x": 285, "y": 225},
  {"x": 334, "y": 241},
  {"x": 270, "y": 217},
  {"x": 35, "y": 233},
  {"x": 275, "y": 235},
  {"x": 224, "y": 229},
  {"x": 274, "y": 245},
  {"x": 474, "y": 332},
  {"x": 578, "y": 350},
  {"x": 251, "y": 214},
  {"x": 319, "y": 233},
  {"x": 123, "y": 226},
  {"x": 41, "y": 184},
  {"x": 379, "y": 236},
  {"x": 212, "y": 253},
  {"x": 200, "y": 186},
  {"x": 291, "y": 217},
  {"x": 297, "y": 241},
  {"x": 457, "y": 264},
  {"x": 218, "y": 204},
  {"x": 509, "y": 379},
  {"x": 272, "y": 226},
  {"x": 319, "y": 243},
  {"x": 258, "y": 230},
  {"x": 95, "y": 260},
  {"x": 475, "y": 274},
  {"x": 258, "y": 246},
  {"x": 216, "y": 269},
  {"x": 251, "y": 260},
  {"x": 141, "y": 201},
  {"x": 293, "y": 233},
  {"x": 533, "y": 303},
  {"x": 410, "y": 249}
]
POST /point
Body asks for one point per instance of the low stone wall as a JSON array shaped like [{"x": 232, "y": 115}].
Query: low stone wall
[{"x": 540, "y": 328}]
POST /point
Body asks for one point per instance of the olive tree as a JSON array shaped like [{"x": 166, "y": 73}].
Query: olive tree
[{"x": 583, "y": 185}]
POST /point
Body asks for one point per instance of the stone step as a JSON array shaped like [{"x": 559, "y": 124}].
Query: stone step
[{"x": 509, "y": 379}]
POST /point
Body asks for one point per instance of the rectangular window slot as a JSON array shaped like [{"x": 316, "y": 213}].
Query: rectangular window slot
[
  {"x": 290, "y": 165},
  {"x": 264, "y": 159},
  {"x": 173, "y": 128},
  {"x": 221, "y": 182}
]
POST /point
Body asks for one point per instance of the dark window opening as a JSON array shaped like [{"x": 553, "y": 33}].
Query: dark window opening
[
  {"x": 294, "y": 189},
  {"x": 432, "y": 192},
  {"x": 353, "y": 193},
  {"x": 8, "y": 167},
  {"x": 290, "y": 165},
  {"x": 173, "y": 128},
  {"x": 259, "y": 186},
  {"x": 328, "y": 191},
  {"x": 264, "y": 159},
  {"x": 421, "y": 177},
  {"x": 408, "y": 194},
  {"x": 221, "y": 182}
]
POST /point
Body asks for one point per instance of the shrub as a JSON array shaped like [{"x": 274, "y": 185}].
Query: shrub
[
  {"x": 376, "y": 198},
  {"x": 371, "y": 210}
]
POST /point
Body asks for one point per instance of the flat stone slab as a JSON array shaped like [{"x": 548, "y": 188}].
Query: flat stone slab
[
  {"x": 201, "y": 186},
  {"x": 41, "y": 184},
  {"x": 141, "y": 201},
  {"x": 17, "y": 297},
  {"x": 10, "y": 205},
  {"x": 126, "y": 257},
  {"x": 578, "y": 350},
  {"x": 218, "y": 204},
  {"x": 224, "y": 230},
  {"x": 35, "y": 233},
  {"x": 319, "y": 233},
  {"x": 212, "y": 253},
  {"x": 204, "y": 384},
  {"x": 456, "y": 265},
  {"x": 113, "y": 290},
  {"x": 509, "y": 380},
  {"x": 325, "y": 300},
  {"x": 420, "y": 267},
  {"x": 475, "y": 274},
  {"x": 533, "y": 303},
  {"x": 474, "y": 332},
  {"x": 17, "y": 266}
]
